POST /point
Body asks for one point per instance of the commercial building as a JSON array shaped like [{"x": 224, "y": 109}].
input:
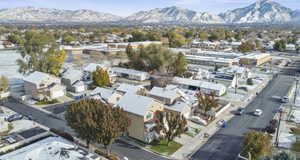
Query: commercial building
[
  {"x": 255, "y": 59},
  {"x": 201, "y": 86},
  {"x": 211, "y": 61}
]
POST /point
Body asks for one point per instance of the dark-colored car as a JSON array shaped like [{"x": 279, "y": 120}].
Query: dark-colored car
[
  {"x": 14, "y": 117},
  {"x": 240, "y": 111}
]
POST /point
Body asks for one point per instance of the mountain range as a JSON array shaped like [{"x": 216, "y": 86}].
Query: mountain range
[{"x": 262, "y": 11}]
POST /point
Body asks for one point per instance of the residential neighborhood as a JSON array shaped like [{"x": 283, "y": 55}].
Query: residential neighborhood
[{"x": 162, "y": 84}]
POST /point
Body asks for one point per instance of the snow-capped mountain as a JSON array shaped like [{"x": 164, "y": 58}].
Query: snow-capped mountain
[
  {"x": 31, "y": 14},
  {"x": 262, "y": 11},
  {"x": 174, "y": 15}
]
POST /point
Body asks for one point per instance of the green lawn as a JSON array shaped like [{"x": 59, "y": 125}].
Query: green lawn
[
  {"x": 162, "y": 147},
  {"x": 296, "y": 146}
]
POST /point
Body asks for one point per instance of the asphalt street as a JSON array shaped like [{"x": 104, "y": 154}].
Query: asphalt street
[
  {"x": 226, "y": 144},
  {"x": 121, "y": 148}
]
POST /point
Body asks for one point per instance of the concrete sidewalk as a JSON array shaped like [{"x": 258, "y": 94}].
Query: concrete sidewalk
[{"x": 196, "y": 142}]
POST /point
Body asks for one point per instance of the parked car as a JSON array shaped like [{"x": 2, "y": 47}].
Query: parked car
[
  {"x": 14, "y": 117},
  {"x": 240, "y": 111},
  {"x": 258, "y": 112},
  {"x": 285, "y": 99},
  {"x": 220, "y": 123},
  {"x": 198, "y": 120}
]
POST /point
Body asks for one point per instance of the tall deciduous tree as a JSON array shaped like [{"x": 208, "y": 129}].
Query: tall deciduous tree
[
  {"x": 176, "y": 40},
  {"x": 180, "y": 65},
  {"x": 4, "y": 84},
  {"x": 206, "y": 102},
  {"x": 101, "y": 77},
  {"x": 170, "y": 124},
  {"x": 40, "y": 53},
  {"x": 96, "y": 121},
  {"x": 258, "y": 144}
]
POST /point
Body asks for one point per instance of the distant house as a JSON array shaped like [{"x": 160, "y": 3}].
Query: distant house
[
  {"x": 182, "y": 108},
  {"x": 291, "y": 47},
  {"x": 201, "y": 86},
  {"x": 129, "y": 88},
  {"x": 130, "y": 73},
  {"x": 40, "y": 85},
  {"x": 141, "y": 111},
  {"x": 72, "y": 79},
  {"x": 108, "y": 95}
]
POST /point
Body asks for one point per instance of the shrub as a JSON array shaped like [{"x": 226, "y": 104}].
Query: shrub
[
  {"x": 250, "y": 81},
  {"x": 110, "y": 157}
]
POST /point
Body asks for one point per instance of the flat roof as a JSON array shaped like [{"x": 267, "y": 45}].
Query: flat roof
[
  {"x": 255, "y": 56},
  {"x": 209, "y": 59},
  {"x": 128, "y": 71},
  {"x": 199, "y": 83},
  {"x": 51, "y": 148}
]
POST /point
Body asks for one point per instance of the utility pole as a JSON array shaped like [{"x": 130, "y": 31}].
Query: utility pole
[
  {"x": 236, "y": 81},
  {"x": 295, "y": 95},
  {"x": 277, "y": 131}
]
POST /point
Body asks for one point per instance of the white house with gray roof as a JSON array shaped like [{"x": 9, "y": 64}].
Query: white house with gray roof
[
  {"x": 130, "y": 73},
  {"x": 40, "y": 85},
  {"x": 72, "y": 79}
]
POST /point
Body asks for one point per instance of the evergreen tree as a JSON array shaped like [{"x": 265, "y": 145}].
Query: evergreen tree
[{"x": 280, "y": 45}]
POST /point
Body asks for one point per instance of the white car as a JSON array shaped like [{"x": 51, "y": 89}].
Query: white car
[{"x": 258, "y": 112}]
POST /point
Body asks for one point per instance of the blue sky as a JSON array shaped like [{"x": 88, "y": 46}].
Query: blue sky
[{"x": 126, "y": 7}]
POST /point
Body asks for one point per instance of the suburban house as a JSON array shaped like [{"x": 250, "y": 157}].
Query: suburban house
[
  {"x": 201, "y": 86},
  {"x": 129, "y": 88},
  {"x": 130, "y": 73},
  {"x": 89, "y": 69},
  {"x": 72, "y": 79},
  {"x": 164, "y": 95},
  {"x": 108, "y": 95},
  {"x": 40, "y": 85},
  {"x": 141, "y": 110},
  {"x": 182, "y": 108},
  {"x": 291, "y": 47}
]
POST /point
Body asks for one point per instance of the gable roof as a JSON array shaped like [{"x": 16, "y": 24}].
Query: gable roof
[
  {"x": 164, "y": 92},
  {"x": 92, "y": 67},
  {"x": 73, "y": 75},
  {"x": 103, "y": 92},
  {"x": 128, "y": 88},
  {"x": 136, "y": 104},
  {"x": 36, "y": 77}
]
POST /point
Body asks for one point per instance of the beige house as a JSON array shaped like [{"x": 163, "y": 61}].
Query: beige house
[
  {"x": 40, "y": 85},
  {"x": 164, "y": 95},
  {"x": 109, "y": 95},
  {"x": 141, "y": 110}
]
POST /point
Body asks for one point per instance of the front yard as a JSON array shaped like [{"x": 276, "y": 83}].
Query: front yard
[{"x": 163, "y": 148}]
